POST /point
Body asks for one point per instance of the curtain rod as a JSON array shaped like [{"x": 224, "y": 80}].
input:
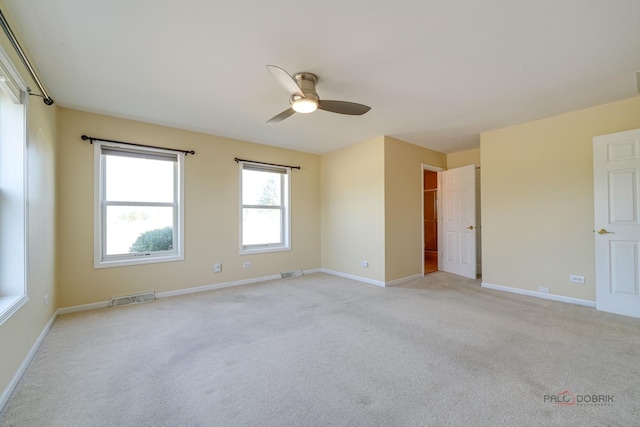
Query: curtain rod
[
  {"x": 263, "y": 163},
  {"x": 14, "y": 41},
  {"x": 91, "y": 139}
]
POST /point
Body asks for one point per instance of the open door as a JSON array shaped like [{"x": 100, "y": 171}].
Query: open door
[
  {"x": 616, "y": 176},
  {"x": 459, "y": 221}
]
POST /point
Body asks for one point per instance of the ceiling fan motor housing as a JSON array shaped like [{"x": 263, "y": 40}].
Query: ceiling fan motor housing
[{"x": 307, "y": 83}]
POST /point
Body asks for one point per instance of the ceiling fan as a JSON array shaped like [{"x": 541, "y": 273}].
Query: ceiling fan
[{"x": 304, "y": 99}]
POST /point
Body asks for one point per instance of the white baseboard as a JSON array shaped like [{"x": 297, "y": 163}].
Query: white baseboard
[
  {"x": 4, "y": 398},
  {"x": 205, "y": 288},
  {"x": 83, "y": 307},
  {"x": 184, "y": 291},
  {"x": 403, "y": 279},
  {"x": 214, "y": 286},
  {"x": 370, "y": 281},
  {"x": 542, "y": 295},
  {"x": 353, "y": 277}
]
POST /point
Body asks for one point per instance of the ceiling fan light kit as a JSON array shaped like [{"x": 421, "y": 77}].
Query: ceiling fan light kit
[
  {"x": 304, "y": 98},
  {"x": 303, "y": 105}
]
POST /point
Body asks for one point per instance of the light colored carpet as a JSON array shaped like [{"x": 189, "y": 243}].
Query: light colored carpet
[{"x": 321, "y": 350}]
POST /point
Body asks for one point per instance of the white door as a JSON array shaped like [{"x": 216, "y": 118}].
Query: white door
[
  {"x": 459, "y": 221},
  {"x": 616, "y": 173}
]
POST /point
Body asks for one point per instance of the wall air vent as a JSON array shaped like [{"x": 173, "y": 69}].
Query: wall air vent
[
  {"x": 133, "y": 299},
  {"x": 292, "y": 273}
]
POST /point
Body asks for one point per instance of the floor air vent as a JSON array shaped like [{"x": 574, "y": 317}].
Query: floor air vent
[
  {"x": 132, "y": 299},
  {"x": 292, "y": 273}
]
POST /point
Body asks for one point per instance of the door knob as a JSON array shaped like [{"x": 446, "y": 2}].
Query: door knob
[
  {"x": 470, "y": 227},
  {"x": 603, "y": 231}
]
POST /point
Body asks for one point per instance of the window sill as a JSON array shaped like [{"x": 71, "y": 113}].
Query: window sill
[
  {"x": 264, "y": 250},
  {"x": 137, "y": 261},
  {"x": 10, "y": 304}
]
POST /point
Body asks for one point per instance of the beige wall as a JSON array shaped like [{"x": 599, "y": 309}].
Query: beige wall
[
  {"x": 20, "y": 332},
  {"x": 403, "y": 205},
  {"x": 463, "y": 158},
  {"x": 537, "y": 199},
  {"x": 353, "y": 210},
  {"x": 211, "y": 212},
  {"x": 372, "y": 208}
]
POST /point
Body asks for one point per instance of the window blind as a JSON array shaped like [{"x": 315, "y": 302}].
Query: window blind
[{"x": 138, "y": 154}]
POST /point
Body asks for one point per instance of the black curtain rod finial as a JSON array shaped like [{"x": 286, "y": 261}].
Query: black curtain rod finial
[{"x": 47, "y": 101}]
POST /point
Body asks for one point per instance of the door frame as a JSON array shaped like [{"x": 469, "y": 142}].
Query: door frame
[{"x": 427, "y": 167}]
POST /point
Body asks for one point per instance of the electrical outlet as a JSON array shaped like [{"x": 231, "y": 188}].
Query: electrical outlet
[
  {"x": 543, "y": 289},
  {"x": 46, "y": 300},
  {"x": 217, "y": 267},
  {"x": 364, "y": 263},
  {"x": 576, "y": 279},
  {"x": 246, "y": 264}
]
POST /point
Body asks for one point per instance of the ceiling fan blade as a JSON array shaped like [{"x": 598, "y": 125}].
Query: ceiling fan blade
[
  {"x": 280, "y": 117},
  {"x": 285, "y": 80},
  {"x": 343, "y": 107}
]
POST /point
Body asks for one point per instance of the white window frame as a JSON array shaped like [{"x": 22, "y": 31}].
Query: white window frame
[
  {"x": 285, "y": 203},
  {"x": 14, "y": 215},
  {"x": 101, "y": 260}
]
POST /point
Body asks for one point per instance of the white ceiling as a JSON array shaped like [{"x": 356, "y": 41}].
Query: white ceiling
[{"x": 436, "y": 73}]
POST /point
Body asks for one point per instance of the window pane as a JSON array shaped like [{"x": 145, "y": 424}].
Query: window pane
[
  {"x": 261, "y": 188},
  {"x": 261, "y": 226},
  {"x": 138, "y": 229},
  {"x": 138, "y": 180}
]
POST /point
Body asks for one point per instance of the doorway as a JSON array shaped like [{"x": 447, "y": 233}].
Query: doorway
[
  {"x": 430, "y": 218},
  {"x": 451, "y": 244}
]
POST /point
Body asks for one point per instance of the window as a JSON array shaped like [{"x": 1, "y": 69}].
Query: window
[
  {"x": 264, "y": 212},
  {"x": 13, "y": 187},
  {"x": 138, "y": 206}
]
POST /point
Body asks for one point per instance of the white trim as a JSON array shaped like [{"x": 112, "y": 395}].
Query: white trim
[
  {"x": 542, "y": 295},
  {"x": 431, "y": 168},
  {"x": 10, "y": 304},
  {"x": 404, "y": 279},
  {"x": 262, "y": 250},
  {"x": 15, "y": 79},
  {"x": 183, "y": 291},
  {"x": 4, "y": 398},
  {"x": 16, "y": 113},
  {"x": 367, "y": 280},
  {"x": 137, "y": 261},
  {"x": 353, "y": 277},
  {"x": 214, "y": 286},
  {"x": 84, "y": 307}
]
